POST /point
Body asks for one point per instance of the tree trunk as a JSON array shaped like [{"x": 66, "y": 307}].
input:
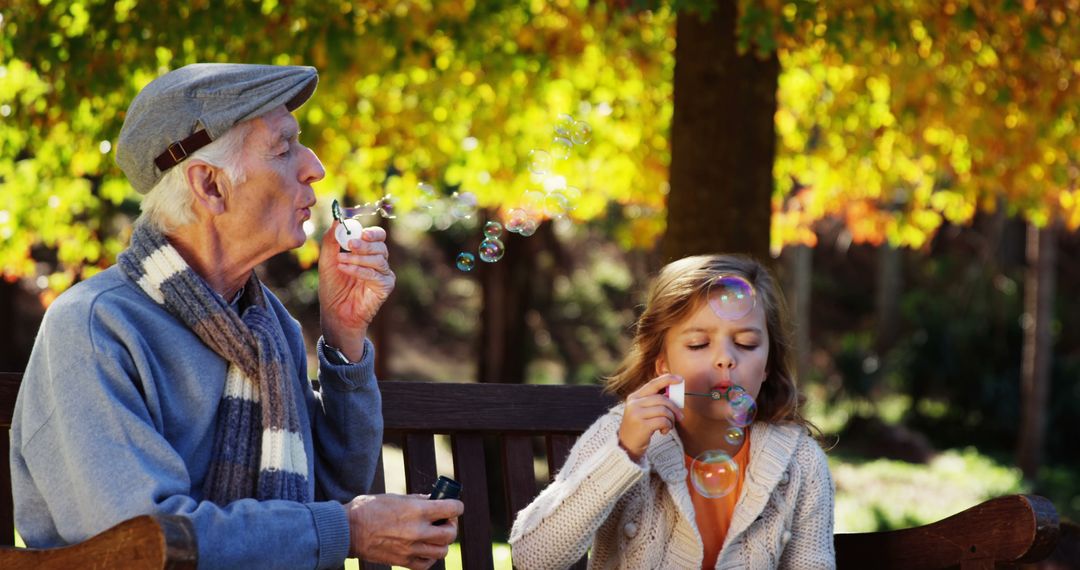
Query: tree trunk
[
  {"x": 507, "y": 289},
  {"x": 1035, "y": 361},
  {"x": 800, "y": 261},
  {"x": 723, "y": 141},
  {"x": 890, "y": 276}
]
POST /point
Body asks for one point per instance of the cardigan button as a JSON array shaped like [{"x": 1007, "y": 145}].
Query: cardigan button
[
  {"x": 630, "y": 530},
  {"x": 785, "y": 478},
  {"x": 785, "y": 537}
]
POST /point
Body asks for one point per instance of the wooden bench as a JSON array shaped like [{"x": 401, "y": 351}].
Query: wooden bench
[
  {"x": 998, "y": 532},
  {"x": 509, "y": 419}
]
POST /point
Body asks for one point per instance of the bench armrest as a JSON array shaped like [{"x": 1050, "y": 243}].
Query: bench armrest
[
  {"x": 1014, "y": 528},
  {"x": 144, "y": 542}
]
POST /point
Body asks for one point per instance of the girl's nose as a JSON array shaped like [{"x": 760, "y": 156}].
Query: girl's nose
[{"x": 725, "y": 361}]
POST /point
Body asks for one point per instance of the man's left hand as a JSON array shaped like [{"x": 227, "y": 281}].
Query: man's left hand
[{"x": 352, "y": 287}]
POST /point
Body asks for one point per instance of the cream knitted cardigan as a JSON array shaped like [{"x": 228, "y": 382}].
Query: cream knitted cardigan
[{"x": 640, "y": 515}]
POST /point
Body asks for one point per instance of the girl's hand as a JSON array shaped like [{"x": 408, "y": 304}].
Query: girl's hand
[{"x": 648, "y": 410}]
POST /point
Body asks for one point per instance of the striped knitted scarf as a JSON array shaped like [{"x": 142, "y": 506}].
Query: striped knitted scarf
[{"x": 258, "y": 449}]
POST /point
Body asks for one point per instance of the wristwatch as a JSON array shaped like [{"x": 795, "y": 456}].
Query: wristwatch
[{"x": 334, "y": 355}]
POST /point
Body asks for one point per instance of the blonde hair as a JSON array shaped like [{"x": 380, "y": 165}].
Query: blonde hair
[
  {"x": 678, "y": 290},
  {"x": 170, "y": 203}
]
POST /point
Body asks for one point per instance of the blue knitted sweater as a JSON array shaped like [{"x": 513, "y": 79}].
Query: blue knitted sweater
[{"x": 116, "y": 417}]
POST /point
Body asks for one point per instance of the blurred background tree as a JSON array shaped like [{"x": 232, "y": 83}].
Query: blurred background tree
[{"x": 888, "y": 155}]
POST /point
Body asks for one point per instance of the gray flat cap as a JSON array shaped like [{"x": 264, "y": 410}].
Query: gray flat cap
[{"x": 183, "y": 110}]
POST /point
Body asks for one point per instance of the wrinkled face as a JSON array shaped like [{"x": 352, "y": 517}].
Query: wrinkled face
[
  {"x": 268, "y": 209},
  {"x": 710, "y": 352}
]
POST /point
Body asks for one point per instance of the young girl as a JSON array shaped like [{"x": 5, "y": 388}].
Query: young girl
[{"x": 624, "y": 490}]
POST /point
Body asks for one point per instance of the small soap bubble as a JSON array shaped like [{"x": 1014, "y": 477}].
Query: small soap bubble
[
  {"x": 516, "y": 220},
  {"x": 731, "y": 297},
  {"x": 357, "y": 211},
  {"x": 714, "y": 473},
  {"x": 427, "y": 193},
  {"x": 734, "y": 435},
  {"x": 532, "y": 201},
  {"x": 581, "y": 133},
  {"x": 733, "y": 392},
  {"x": 493, "y": 229},
  {"x": 530, "y": 227},
  {"x": 556, "y": 205},
  {"x": 385, "y": 207},
  {"x": 564, "y": 125},
  {"x": 466, "y": 261},
  {"x": 561, "y": 148},
  {"x": 743, "y": 410},
  {"x": 462, "y": 205},
  {"x": 491, "y": 250},
  {"x": 573, "y": 194},
  {"x": 539, "y": 162}
]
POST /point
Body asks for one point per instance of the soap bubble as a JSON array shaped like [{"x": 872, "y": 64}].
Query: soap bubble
[
  {"x": 427, "y": 193},
  {"x": 734, "y": 435},
  {"x": 361, "y": 210},
  {"x": 714, "y": 473},
  {"x": 581, "y": 133},
  {"x": 462, "y": 205},
  {"x": 491, "y": 250},
  {"x": 743, "y": 409},
  {"x": 532, "y": 201},
  {"x": 516, "y": 220},
  {"x": 556, "y": 205},
  {"x": 466, "y": 261},
  {"x": 539, "y": 162},
  {"x": 564, "y": 125},
  {"x": 530, "y": 227},
  {"x": 731, "y": 297},
  {"x": 385, "y": 207},
  {"x": 561, "y": 148},
  {"x": 493, "y": 229}
]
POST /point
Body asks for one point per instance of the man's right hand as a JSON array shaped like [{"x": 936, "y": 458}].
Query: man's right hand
[{"x": 398, "y": 529}]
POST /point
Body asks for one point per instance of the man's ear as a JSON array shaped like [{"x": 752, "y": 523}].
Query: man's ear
[{"x": 209, "y": 185}]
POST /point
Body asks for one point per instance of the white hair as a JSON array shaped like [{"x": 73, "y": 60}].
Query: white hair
[{"x": 170, "y": 203}]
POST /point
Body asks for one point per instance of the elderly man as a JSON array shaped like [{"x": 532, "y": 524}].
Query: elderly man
[{"x": 175, "y": 382}]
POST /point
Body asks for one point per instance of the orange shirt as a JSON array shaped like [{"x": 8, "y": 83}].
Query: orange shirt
[{"x": 713, "y": 516}]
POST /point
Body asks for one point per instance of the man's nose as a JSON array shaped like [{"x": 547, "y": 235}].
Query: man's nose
[{"x": 312, "y": 169}]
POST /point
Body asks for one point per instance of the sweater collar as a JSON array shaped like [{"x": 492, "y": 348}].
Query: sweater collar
[{"x": 771, "y": 449}]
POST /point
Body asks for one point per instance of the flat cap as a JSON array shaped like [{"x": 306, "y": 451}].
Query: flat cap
[{"x": 187, "y": 108}]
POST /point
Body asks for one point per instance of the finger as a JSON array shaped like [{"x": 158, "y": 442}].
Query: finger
[
  {"x": 374, "y": 261},
  {"x": 653, "y": 404},
  {"x": 421, "y": 563},
  {"x": 661, "y": 408},
  {"x": 366, "y": 247},
  {"x": 657, "y": 385},
  {"x": 445, "y": 509},
  {"x": 430, "y": 550},
  {"x": 385, "y": 278},
  {"x": 374, "y": 234}
]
